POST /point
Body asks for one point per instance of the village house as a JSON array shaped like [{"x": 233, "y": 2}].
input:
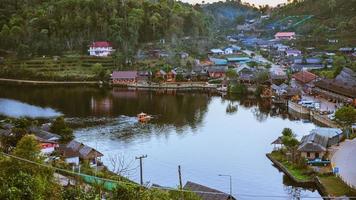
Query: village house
[
  {"x": 334, "y": 135},
  {"x": 216, "y": 52},
  {"x": 285, "y": 36},
  {"x": 293, "y": 53},
  {"x": 171, "y": 76},
  {"x": 206, "y": 193},
  {"x": 346, "y": 50},
  {"x": 278, "y": 75},
  {"x": 340, "y": 89},
  {"x": 234, "y": 60},
  {"x": 86, "y": 153},
  {"x": 217, "y": 71},
  {"x": 277, "y": 144},
  {"x": 313, "y": 146},
  {"x": 279, "y": 90},
  {"x": 124, "y": 77},
  {"x": 304, "y": 77},
  {"x": 100, "y": 49},
  {"x": 228, "y": 51},
  {"x": 161, "y": 74},
  {"x": 300, "y": 64},
  {"x": 199, "y": 73},
  {"x": 69, "y": 155},
  {"x": 218, "y": 61},
  {"x": 246, "y": 74},
  {"x": 48, "y": 141}
]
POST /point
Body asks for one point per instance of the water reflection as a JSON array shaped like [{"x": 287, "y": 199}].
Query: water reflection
[
  {"x": 12, "y": 108},
  {"x": 204, "y": 133}
]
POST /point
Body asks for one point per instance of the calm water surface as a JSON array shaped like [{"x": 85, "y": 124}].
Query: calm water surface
[{"x": 207, "y": 135}]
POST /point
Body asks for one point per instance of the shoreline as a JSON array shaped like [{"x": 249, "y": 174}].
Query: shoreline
[{"x": 315, "y": 182}]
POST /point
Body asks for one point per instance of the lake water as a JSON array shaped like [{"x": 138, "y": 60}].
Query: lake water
[{"x": 207, "y": 135}]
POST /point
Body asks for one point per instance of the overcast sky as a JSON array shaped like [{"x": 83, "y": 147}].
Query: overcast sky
[{"x": 257, "y": 2}]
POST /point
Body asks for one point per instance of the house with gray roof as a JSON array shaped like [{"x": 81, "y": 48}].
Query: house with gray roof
[
  {"x": 85, "y": 152},
  {"x": 206, "y": 193},
  {"x": 300, "y": 64},
  {"x": 45, "y": 135},
  {"x": 334, "y": 134},
  {"x": 313, "y": 146}
]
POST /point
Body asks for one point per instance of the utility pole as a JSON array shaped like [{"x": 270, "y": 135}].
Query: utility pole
[
  {"x": 141, "y": 175},
  {"x": 180, "y": 178}
]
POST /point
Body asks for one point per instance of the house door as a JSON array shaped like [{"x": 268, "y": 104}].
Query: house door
[{"x": 316, "y": 155}]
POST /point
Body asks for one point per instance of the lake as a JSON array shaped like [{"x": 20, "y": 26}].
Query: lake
[{"x": 206, "y": 134}]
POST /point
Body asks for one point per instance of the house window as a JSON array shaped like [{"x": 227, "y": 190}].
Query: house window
[
  {"x": 308, "y": 154},
  {"x": 316, "y": 155}
]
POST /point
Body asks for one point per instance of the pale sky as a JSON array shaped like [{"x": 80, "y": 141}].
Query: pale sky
[{"x": 257, "y": 2}]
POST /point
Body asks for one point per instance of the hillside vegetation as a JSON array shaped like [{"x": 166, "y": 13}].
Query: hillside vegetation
[
  {"x": 229, "y": 13},
  {"x": 330, "y": 19},
  {"x": 51, "y": 27}
]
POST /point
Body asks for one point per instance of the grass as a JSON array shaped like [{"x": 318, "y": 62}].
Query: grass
[
  {"x": 66, "y": 68},
  {"x": 301, "y": 174},
  {"x": 336, "y": 187}
]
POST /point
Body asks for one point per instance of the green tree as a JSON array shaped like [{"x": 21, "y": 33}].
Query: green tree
[
  {"x": 339, "y": 64},
  {"x": 23, "y": 180},
  {"x": 99, "y": 71},
  {"x": 60, "y": 127},
  {"x": 154, "y": 21},
  {"x": 231, "y": 73},
  {"x": 240, "y": 20},
  {"x": 345, "y": 116},
  {"x": 290, "y": 141},
  {"x": 28, "y": 148}
]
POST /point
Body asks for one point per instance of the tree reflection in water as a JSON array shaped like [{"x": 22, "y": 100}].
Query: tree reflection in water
[{"x": 295, "y": 190}]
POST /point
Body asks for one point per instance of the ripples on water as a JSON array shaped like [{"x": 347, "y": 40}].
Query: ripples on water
[
  {"x": 13, "y": 108},
  {"x": 124, "y": 128}
]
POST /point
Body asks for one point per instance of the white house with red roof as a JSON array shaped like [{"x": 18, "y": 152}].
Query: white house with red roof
[
  {"x": 100, "y": 48},
  {"x": 284, "y": 36}
]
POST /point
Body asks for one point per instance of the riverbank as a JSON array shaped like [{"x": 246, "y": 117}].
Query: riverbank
[
  {"x": 327, "y": 184},
  {"x": 186, "y": 86},
  {"x": 311, "y": 114},
  {"x": 31, "y": 82}
]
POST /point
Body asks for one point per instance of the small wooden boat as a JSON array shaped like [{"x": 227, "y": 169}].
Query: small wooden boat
[{"x": 143, "y": 117}]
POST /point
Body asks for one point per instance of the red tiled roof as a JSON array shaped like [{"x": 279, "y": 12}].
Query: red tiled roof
[
  {"x": 101, "y": 44},
  {"x": 124, "y": 75},
  {"x": 304, "y": 76}
]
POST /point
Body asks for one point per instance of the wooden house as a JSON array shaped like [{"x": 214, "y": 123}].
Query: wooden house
[
  {"x": 124, "y": 77},
  {"x": 313, "y": 146}
]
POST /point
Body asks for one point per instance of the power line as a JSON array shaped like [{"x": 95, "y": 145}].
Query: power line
[{"x": 161, "y": 188}]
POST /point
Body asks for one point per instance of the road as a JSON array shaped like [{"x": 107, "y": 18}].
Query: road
[
  {"x": 344, "y": 158},
  {"x": 259, "y": 58}
]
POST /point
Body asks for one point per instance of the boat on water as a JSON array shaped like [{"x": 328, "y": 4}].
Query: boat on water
[{"x": 143, "y": 117}]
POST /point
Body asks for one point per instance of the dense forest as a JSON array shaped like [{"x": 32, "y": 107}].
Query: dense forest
[{"x": 51, "y": 27}]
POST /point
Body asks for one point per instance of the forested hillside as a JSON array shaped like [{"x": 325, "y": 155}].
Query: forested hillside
[
  {"x": 51, "y": 27},
  {"x": 330, "y": 19},
  {"x": 229, "y": 13}
]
